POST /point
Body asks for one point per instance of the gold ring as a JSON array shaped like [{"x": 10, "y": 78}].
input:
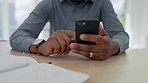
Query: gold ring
[{"x": 91, "y": 55}]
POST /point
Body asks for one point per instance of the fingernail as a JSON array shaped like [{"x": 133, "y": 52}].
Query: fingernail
[
  {"x": 82, "y": 36},
  {"x": 72, "y": 45}
]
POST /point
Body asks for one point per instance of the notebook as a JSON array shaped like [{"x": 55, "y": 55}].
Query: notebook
[{"x": 21, "y": 69}]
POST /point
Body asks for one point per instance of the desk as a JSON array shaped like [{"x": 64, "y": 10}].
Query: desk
[{"x": 131, "y": 67}]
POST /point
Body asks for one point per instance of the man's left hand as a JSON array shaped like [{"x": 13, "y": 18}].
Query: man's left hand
[{"x": 103, "y": 49}]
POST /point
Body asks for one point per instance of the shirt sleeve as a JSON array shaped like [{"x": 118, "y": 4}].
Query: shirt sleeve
[
  {"x": 113, "y": 26},
  {"x": 30, "y": 29}
]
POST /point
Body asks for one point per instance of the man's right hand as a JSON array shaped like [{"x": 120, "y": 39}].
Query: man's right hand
[{"x": 58, "y": 43}]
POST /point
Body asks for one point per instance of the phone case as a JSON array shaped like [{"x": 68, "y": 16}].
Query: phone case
[{"x": 86, "y": 27}]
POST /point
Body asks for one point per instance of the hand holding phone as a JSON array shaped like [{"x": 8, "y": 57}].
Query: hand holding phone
[{"x": 86, "y": 27}]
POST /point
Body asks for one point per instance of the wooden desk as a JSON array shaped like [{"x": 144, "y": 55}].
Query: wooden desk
[{"x": 131, "y": 67}]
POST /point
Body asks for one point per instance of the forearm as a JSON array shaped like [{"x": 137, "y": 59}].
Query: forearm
[
  {"x": 23, "y": 37},
  {"x": 19, "y": 42}
]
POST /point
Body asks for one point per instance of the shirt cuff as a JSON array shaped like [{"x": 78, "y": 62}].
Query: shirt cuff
[
  {"x": 25, "y": 44},
  {"x": 121, "y": 45}
]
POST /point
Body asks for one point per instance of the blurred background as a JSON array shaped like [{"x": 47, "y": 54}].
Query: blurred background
[{"x": 132, "y": 13}]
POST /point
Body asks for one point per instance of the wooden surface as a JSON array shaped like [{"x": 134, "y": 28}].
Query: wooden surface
[{"x": 131, "y": 67}]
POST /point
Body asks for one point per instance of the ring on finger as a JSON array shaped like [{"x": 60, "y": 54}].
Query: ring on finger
[{"x": 91, "y": 55}]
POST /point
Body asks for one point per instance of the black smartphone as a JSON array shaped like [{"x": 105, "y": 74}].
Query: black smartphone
[{"x": 86, "y": 27}]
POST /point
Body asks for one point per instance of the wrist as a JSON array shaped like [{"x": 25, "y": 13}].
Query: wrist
[
  {"x": 115, "y": 48},
  {"x": 34, "y": 46},
  {"x": 33, "y": 49}
]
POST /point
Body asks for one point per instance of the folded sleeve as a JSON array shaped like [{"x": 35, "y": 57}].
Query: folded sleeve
[
  {"x": 113, "y": 26},
  {"x": 30, "y": 29}
]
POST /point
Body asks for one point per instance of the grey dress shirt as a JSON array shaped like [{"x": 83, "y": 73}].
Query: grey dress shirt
[{"x": 62, "y": 14}]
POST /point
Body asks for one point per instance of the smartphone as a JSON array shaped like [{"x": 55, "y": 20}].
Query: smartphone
[{"x": 86, "y": 27}]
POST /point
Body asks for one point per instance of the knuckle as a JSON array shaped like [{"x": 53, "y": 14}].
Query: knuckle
[
  {"x": 45, "y": 54},
  {"x": 60, "y": 31},
  {"x": 55, "y": 34},
  {"x": 51, "y": 41},
  {"x": 99, "y": 38},
  {"x": 63, "y": 30},
  {"x": 103, "y": 57},
  {"x": 52, "y": 38},
  {"x": 63, "y": 43},
  {"x": 57, "y": 47}
]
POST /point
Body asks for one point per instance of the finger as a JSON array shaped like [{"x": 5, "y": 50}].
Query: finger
[
  {"x": 54, "y": 44},
  {"x": 45, "y": 49},
  {"x": 102, "y": 32},
  {"x": 50, "y": 50},
  {"x": 89, "y": 48},
  {"x": 93, "y": 38},
  {"x": 64, "y": 35},
  {"x": 62, "y": 44},
  {"x": 84, "y": 47},
  {"x": 96, "y": 56},
  {"x": 100, "y": 28},
  {"x": 83, "y": 53},
  {"x": 87, "y": 54},
  {"x": 67, "y": 50},
  {"x": 70, "y": 33},
  {"x": 61, "y": 37},
  {"x": 67, "y": 39}
]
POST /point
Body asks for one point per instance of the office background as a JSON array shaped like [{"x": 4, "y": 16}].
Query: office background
[{"x": 132, "y": 13}]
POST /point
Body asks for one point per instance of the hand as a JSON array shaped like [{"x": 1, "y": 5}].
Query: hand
[
  {"x": 104, "y": 48},
  {"x": 58, "y": 43}
]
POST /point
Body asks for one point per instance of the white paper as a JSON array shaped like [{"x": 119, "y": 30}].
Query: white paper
[
  {"x": 43, "y": 73},
  {"x": 9, "y": 63},
  {"x": 21, "y": 69}
]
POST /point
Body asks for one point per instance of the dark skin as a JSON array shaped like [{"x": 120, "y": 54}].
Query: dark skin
[
  {"x": 60, "y": 43},
  {"x": 104, "y": 48}
]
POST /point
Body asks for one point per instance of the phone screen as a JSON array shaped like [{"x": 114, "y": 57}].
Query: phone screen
[{"x": 86, "y": 27}]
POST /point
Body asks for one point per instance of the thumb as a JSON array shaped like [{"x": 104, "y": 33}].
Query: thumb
[{"x": 102, "y": 32}]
